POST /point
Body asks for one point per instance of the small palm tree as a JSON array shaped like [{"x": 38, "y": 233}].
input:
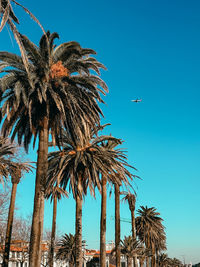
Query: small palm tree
[
  {"x": 175, "y": 262},
  {"x": 59, "y": 91},
  {"x": 144, "y": 254},
  {"x": 82, "y": 166},
  {"x": 66, "y": 249},
  {"x": 130, "y": 247},
  {"x": 163, "y": 260},
  {"x": 7, "y": 151},
  {"x": 55, "y": 195},
  {"x": 16, "y": 174}
]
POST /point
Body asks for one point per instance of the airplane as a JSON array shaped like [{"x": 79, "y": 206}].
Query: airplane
[{"x": 137, "y": 100}]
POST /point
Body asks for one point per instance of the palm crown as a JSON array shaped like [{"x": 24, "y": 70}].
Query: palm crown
[
  {"x": 58, "y": 86},
  {"x": 89, "y": 161},
  {"x": 149, "y": 227}
]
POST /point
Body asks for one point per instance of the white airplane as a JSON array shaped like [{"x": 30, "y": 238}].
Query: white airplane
[{"x": 137, "y": 100}]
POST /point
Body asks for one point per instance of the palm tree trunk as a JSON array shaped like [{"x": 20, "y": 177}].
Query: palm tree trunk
[
  {"x": 53, "y": 233},
  {"x": 129, "y": 262},
  {"x": 135, "y": 262},
  {"x": 117, "y": 225},
  {"x": 141, "y": 263},
  {"x": 9, "y": 225},
  {"x": 38, "y": 210},
  {"x": 147, "y": 262},
  {"x": 78, "y": 235},
  {"x": 153, "y": 258},
  {"x": 103, "y": 224}
]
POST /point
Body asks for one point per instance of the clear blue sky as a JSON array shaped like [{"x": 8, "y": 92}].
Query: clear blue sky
[{"x": 152, "y": 51}]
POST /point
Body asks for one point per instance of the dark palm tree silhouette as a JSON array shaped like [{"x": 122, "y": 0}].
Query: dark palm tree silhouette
[
  {"x": 16, "y": 174},
  {"x": 58, "y": 91},
  {"x": 149, "y": 229},
  {"x": 80, "y": 167},
  {"x": 66, "y": 249},
  {"x": 55, "y": 194}
]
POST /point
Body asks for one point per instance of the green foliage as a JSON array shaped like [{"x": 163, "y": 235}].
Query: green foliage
[{"x": 58, "y": 86}]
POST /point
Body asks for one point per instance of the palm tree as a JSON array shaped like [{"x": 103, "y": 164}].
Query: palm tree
[
  {"x": 66, "y": 249},
  {"x": 149, "y": 229},
  {"x": 130, "y": 247},
  {"x": 163, "y": 260},
  {"x": 144, "y": 254},
  {"x": 55, "y": 195},
  {"x": 58, "y": 91},
  {"x": 131, "y": 199},
  {"x": 16, "y": 173},
  {"x": 7, "y": 151},
  {"x": 110, "y": 145},
  {"x": 82, "y": 166},
  {"x": 175, "y": 262}
]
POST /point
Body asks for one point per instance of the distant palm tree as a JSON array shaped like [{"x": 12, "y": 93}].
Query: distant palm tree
[
  {"x": 130, "y": 247},
  {"x": 16, "y": 173},
  {"x": 54, "y": 193},
  {"x": 144, "y": 254},
  {"x": 7, "y": 151},
  {"x": 175, "y": 262},
  {"x": 58, "y": 91},
  {"x": 66, "y": 249},
  {"x": 82, "y": 166},
  {"x": 131, "y": 199},
  {"x": 149, "y": 229},
  {"x": 163, "y": 260}
]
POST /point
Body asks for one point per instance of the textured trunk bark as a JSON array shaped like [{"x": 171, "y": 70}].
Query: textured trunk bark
[
  {"x": 78, "y": 244},
  {"x": 117, "y": 225},
  {"x": 53, "y": 233},
  {"x": 129, "y": 262},
  {"x": 103, "y": 224},
  {"x": 38, "y": 210},
  {"x": 135, "y": 263},
  {"x": 153, "y": 258},
  {"x": 147, "y": 261},
  {"x": 141, "y": 263},
  {"x": 9, "y": 225}
]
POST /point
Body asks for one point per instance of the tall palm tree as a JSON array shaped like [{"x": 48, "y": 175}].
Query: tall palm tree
[
  {"x": 110, "y": 146},
  {"x": 58, "y": 91},
  {"x": 149, "y": 229},
  {"x": 54, "y": 193},
  {"x": 66, "y": 249},
  {"x": 16, "y": 173},
  {"x": 82, "y": 166},
  {"x": 131, "y": 199}
]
